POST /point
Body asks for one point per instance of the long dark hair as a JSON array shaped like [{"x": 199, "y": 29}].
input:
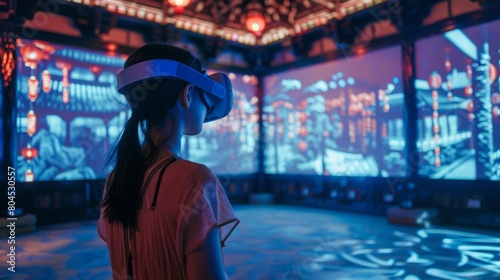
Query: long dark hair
[{"x": 151, "y": 102}]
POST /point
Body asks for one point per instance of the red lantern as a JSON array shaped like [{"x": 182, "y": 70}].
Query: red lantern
[
  {"x": 437, "y": 151},
  {"x": 65, "y": 96},
  {"x": 33, "y": 88},
  {"x": 255, "y": 22},
  {"x": 46, "y": 81},
  {"x": 471, "y": 117},
  {"x": 468, "y": 90},
  {"x": 437, "y": 162},
  {"x": 470, "y": 106},
  {"x": 303, "y": 132},
  {"x": 29, "y": 153},
  {"x": 179, "y": 5},
  {"x": 435, "y": 115},
  {"x": 31, "y": 123},
  {"x": 447, "y": 64},
  {"x": 434, "y": 94},
  {"x": 384, "y": 130},
  {"x": 435, "y": 80},
  {"x": 29, "y": 176},
  {"x": 435, "y": 105},
  {"x": 495, "y": 111},
  {"x": 302, "y": 146},
  {"x": 65, "y": 81},
  {"x": 387, "y": 107},
  {"x": 436, "y": 128},
  {"x": 469, "y": 72},
  {"x": 493, "y": 73}
]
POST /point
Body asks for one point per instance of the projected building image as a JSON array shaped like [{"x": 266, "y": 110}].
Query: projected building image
[
  {"x": 458, "y": 100},
  {"x": 68, "y": 111},
  {"x": 340, "y": 118}
]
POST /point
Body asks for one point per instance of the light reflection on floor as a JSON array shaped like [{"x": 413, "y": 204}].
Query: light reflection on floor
[{"x": 282, "y": 242}]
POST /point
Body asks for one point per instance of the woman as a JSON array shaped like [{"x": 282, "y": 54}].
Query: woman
[{"x": 163, "y": 217}]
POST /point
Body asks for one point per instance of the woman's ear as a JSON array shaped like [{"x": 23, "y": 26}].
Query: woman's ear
[{"x": 185, "y": 96}]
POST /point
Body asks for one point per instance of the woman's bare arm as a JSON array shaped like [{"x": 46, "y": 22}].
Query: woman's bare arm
[{"x": 206, "y": 261}]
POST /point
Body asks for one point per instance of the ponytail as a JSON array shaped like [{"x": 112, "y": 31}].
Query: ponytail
[{"x": 124, "y": 185}]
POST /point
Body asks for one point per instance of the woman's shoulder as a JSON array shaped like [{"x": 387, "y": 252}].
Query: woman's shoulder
[{"x": 194, "y": 169}]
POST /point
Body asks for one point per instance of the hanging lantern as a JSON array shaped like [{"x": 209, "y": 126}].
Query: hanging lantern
[
  {"x": 435, "y": 105},
  {"x": 434, "y": 94},
  {"x": 436, "y": 138},
  {"x": 437, "y": 151},
  {"x": 65, "y": 96},
  {"x": 435, "y": 115},
  {"x": 468, "y": 90},
  {"x": 29, "y": 153},
  {"x": 387, "y": 107},
  {"x": 303, "y": 131},
  {"x": 32, "y": 88},
  {"x": 179, "y": 5},
  {"x": 255, "y": 22},
  {"x": 46, "y": 81},
  {"x": 492, "y": 73},
  {"x": 435, "y": 80},
  {"x": 65, "y": 81},
  {"x": 384, "y": 130},
  {"x": 447, "y": 64},
  {"x": 437, "y": 162},
  {"x": 471, "y": 117},
  {"x": 470, "y": 106},
  {"x": 31, "y": 123},
  {"x": 302, "y": 146},
  {"x": 436, "y": 128},
  {"x": 29, "y": 176},
  {"x": 468, "y": 71},
  {"x": 495, "y": 112}
]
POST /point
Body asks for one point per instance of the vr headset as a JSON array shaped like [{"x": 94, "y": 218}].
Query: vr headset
[{"x": 217, "y": 88}]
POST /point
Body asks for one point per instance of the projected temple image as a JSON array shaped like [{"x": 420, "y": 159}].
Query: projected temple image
[
  {"x": 458, "y": 104},
  {"x": 340, "y": 118},
  {"x": 68, "y": 111},
  {"x": 228, "y": 146}
]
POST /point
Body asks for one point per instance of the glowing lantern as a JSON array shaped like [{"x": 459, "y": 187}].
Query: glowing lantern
[
  {"x": 46, "y": 81},
  {"x": 436, "y": 128},
  {"x": 495, "y": 111},
  {"x": 302, "y": 146},
  {"x": 470, "y": 106},
  {"x": 29, "y": 176},
  {"x": 436, "y": 138},
  {"x": 179, "y": 5},
  {"x": 255, "y": 22},
  {"x": 65, "y": 81},
  {"x": 468, "y": 90},
  {"x": 435, "y": 105},
  {"x": 31, "y": 123},
  {"x": 434, "y": 94},
  {"x": 303, "y": 131},
  {"x": 469, "y": 72},
  {"x": 29, "y": 153},
  {"x": 437, "y": 162},
  {"x": 384, "y": 130},
  {"x": 493, "y": 73},
  {"x": 435, "y": 115},
  {"x": 437, "y": 150},
  {"x": 471, "y": 117},
  {"x": 326, "y": 134},
  {"x": 65, "y": 96},
  {"x": 447, "y": 64},
  {"x": 32, "y": 88},
  {"x": 435, "y": 80},
  {"x": 387, "y": 108}
]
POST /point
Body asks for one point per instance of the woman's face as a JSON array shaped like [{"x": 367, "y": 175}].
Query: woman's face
[{"x": 195, "y": 114}]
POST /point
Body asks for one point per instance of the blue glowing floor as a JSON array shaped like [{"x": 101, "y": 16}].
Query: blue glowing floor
[{"x": 281, "y": 242}]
